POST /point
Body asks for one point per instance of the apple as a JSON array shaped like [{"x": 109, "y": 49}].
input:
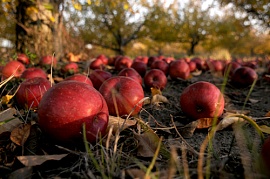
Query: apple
[
  {"x": 123, "y": 95},
  {"x": 199, "y": 62},
  {"x": 202, "y": 100},
  {"x": 243, "y": 76},
  {"x": 97, "y": 64},
  {"x": 265, "y": 155},
  {"x": 143, "y": 59},
  {"x": 155, "y": 78},
  {"x": 123, "y": 62},
  {"x": 151, "y": 60},
  {"x": 98, "y": 77},
  {"x": 21, "y": 57},
  {"x": 251, "y": 64},
  {"x": 48, "y": 60},
  {"x": 79, "y": 77},
  {"x": 168, "y": 59},
  {"x": 140, "y": 67},
  {"x": 216, "y": 65},
  {"x": 192, "y": 66},
  {"x": 161, "y": 65},
  {"x": 104, "y": 59},
  {"x": 132, "y": 73},
  {"x": 179, "y": 69},
  {"x": 31, "y": 91},
  {"x": 232, "y": 66},
  {"x": 14, "y": 67},
  {"x": 33, "y": 72},
  {"x": 66, "y": 106},
  {"x": 71, "y": 67}
]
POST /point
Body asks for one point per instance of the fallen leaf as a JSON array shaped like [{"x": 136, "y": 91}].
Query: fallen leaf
[
  {"x": 159, "y": 99},
  {"x": 253, "y": 101},
  {"x": 197, "y": 73},
  {"x": 136, "y": 173},
  {"x": 265, "y": 129},
  {"x": 35, "y": 160},
  {"x": 6, "y": 99},
  {"x": 267, "y": 114},
  {"x": 187, "y": 131},
  {"x": 25, "y": 172},
  {"x": 7, "y": 120},
  {"x": 204, "y": 123},
  {"x": 155, "y": 91},
  {"x": 20, "y": 134},
  {"x": 118, "y": 123},
  {"x": 228, "y": 121}
]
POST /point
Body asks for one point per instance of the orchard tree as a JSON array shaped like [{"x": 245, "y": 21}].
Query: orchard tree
[
  {"x": 112, "y": 24},
  {"x": 38, "y": 25},
  {"x": 194, "y": 25},
  {"x": 255, "y": 9}
]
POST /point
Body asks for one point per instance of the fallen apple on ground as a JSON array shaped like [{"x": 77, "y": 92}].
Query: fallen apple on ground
[
  {"x": 132, "y": 73},
  {"x": 66, "y": 106},
  {"x": 48, "y": 60},
  {"x": 21, "y": 57},
  {"x": 179, "y": 69},
  {"x": 243, "y": 77},
  {"x": 98, "y": 77},
  {"x": 34, "y": 72},
  {"x": 71, "y": 67},
  {"x": 79, "y": 77},
  {"x": 202, "y": 100},
  {"x": 122, "y": 95},
  {"x": 31, "y": 91},
  {"x": 14, "y": 67},
  {"x": 155, "y": 78}
]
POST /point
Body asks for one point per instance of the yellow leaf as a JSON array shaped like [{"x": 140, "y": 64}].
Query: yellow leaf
[
  {"x": 265, "y": 129},
  {"x": 126, "y": 6},
  {"x": 31, "y": 10},
  {"x": 52, "y": 19},
  {"x": 155, "y": 91},
  {"x": 77, "y": 6},
  {"x": 89, "y": 2},
  {"x": 6, "y": 99}
]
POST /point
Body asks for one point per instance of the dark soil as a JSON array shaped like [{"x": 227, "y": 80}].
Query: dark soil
[{"x": 235, "y": 151}]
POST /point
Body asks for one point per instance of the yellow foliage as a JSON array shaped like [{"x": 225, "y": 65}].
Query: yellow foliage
[
  {"x": 126, "y": 6},
  {"x": 31, "y": 10},
  {"x": 52, "y": 19},
  {"x": 77, "y": 6},
  {"x": 6, "y": 99},
  {"x": 89, "y": 2}
]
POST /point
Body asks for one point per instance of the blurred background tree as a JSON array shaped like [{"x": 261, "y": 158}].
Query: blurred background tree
[{"x": 131, "y": 27}]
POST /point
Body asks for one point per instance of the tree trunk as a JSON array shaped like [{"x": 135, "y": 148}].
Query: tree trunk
[{"x": 38, "y": 27}]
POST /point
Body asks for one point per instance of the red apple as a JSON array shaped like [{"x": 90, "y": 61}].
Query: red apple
[
  {"x": 79, "y": 77},
  {"x": 123, "y": 62},
  {"x": 155, "y": 78},
  {"x": 21, "y": 57},
  {"x": 161, "y": 65},
  {"x": 31, "y": 91},
  {"x": 140, "y": 67},
  {"x": 68, "y": 105},
  {"x": 14, "y": 67},
  {"x": 179, "y": 69},
  {"x": 216, "y": 65},
  {"x": 123, "y": 95},
  {"x": 199, "y": 62},
  {"x": 143, "y": 59},
  {"x": 132, "y": 73},
  {"x": 232, "y": 66},
  {"x": 192, "y": 66},
  {"x": 202, "y": 100},
  {"x": 151, "y": 60},
  {"x": 98, "y": 77},
  {"x": 104, "y": 59},
  {"x": 48, "y": 60},
  {"x": 168, "y": 59},
  {"x": 97, "y": 64},
  {"x": 71, "y": 67},
  {"x": 33, "y": 72},
  {"x": 243, "y": 76}
]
